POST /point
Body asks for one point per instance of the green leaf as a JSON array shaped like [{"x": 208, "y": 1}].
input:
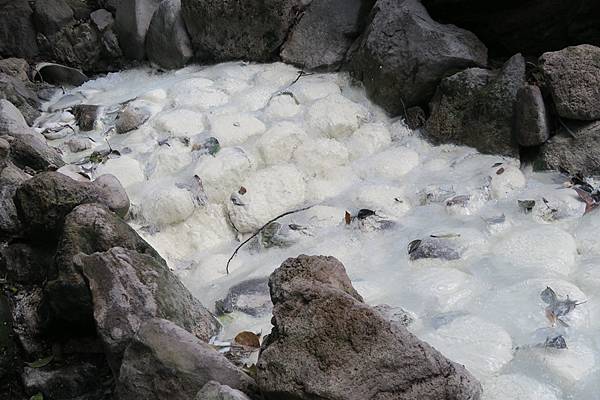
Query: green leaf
[
  {"x": 37, "y": 396},
  {"x": 42, "y": 362}
]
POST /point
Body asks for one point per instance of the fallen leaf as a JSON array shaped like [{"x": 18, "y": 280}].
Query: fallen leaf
[
  {"x": 42, "y": 362},
  {"x": 242, "y": 190},
  {"x": 37, "y": 396},
  {"x": 248, "y": 339},
  {"x": 500, "y": 171},
  {"x": 348, "y": 218}
]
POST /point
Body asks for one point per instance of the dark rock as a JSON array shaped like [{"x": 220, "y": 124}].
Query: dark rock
[
  {"x": 572, "y": 74},
  {"x": 215, "y": 391},
  {"x": 250, "y": 30},
  {"x": 68, "y": 382},
  {"x": 15, "y": 67},
  {"x": 88, "y": 229},
  {"x": 577, "y": 152},
  {"x": 165, "y": 362},
  {"x": 532, "y": 126},
  {"x": 10, "y": 178},
  {"x": 129, "y": 288},
  {"x": 81, "y": 8},
  {"x": 110, "y": 5},
  {"x": 17, "y": 34},
  {"x": 25, "y": 264},
  {"x": 325, "y": 32},
  {"x": 57, "y": 74},
  {"x": 9, "y": 355},
  {"x": 102, "y": 19},
  {"x": 27, "y": 322},
  {"x": 167, "y": 41},
  {"x": 403, "y": 54},
  {"x": 444, "y": 249},
  {"x": 12, "y": 121},
  {"x": 110, "y": 45},
  {"x": 31, "y": 150},
  {"x": 250, "y": 297},
  {"x": 334, "y": 346},
  {"x": 475, "y": 107},
  {"x": 85, "y": 115},
  {"x": 21, "y": 95},
  {"x": 415, "y": 117},
  {"x": 49, "y": 16},
  {"x": 131, "y": 117},
  {"x": 522, "y": 26},
  {"x": 131, "y": 25},
  {"x": 44, "y": 201}
]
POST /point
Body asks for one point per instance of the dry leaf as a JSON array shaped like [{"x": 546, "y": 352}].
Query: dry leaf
[
  {"x": 500, "y": 171},
  {"x": 242, "y": 190},
  {"x": 247, "y": 339},
  {"x": 348, "y": 218}
]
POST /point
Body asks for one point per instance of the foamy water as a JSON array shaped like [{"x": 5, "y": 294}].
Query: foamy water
[{"x": 318, "y": 141}]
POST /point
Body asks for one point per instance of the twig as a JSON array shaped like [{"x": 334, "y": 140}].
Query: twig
[
  {"x": 260, "y": 230},
  {"x": 567, "y": 128}
]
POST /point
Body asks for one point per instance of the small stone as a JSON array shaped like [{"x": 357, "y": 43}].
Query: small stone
[
  {"x": 103, "y": 19},
  {"x": 85, "y": 115},
  {"x": 131, "y": 117},
  {"x": 78, "y": 144}
]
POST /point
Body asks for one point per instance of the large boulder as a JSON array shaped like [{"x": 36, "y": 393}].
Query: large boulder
[
  {"x": 10, "y": 179},
  {"x": 167, "y": 42},
  {"x": 574, "y": 152},
  {"x": 215, "y": 391},
  {"x": 572, "y": 74},
  {"x": 475, "y": 107},
  {"x": 25, "y": 264},
  {"x": 334, "y": 346},
  {"x": 88, "y": 229},
  {"x": 21, "y": 95},
  {"x": 16, "y": 67},
  {"x": 165, "y": 362},
  {"x": 532, "y": 125},
  {"x": 325, "y": 32},
  {"x": 12, "y": 121},
  {"x": 131, "y": 25},
  {"x": 129, "y": 288},
  {"x": 250, "y": 30},
  {"x": 50, "y": 16},
  {"x": 44, "y": 201},
  {"x": 32, "y": 150},
  {"x": 522, "y": 26},
  {"x": 403, "y": 54},
  {"x": 17, "y": 34}
]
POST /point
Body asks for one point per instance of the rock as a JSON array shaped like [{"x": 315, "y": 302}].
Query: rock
[
  {"x": 572, "y": 75},
  {"x": 111, "y": 193},
  {"x": 88, "y": 229},
  {"x": 9, "y": 220},
  {"x": 15, "y": 91},
  {"x": 403, "y": 54},
  {"x": 253, "y": 30},
  {"x": 215, "y": 391},
  {"x": 15, "y": 67},
  {"x": 11, "y": 120},
  {"x": 325, "y": 32},
  {"x": 322, "y": 326},
  {"x": 9, "y": 360},
  {"x": 110, "y": 5},
  {"x": 26, "y": 320},
  {"x": 475, "y": 108},
  {"x": 131, "y": 117},
  {"x": 129, "y": 288},
  {"x": 44, "y": 201},
  {"x": 25, "y": 264},
  {"x": 102, "y": 19},
  {"x": 532, "y": 27},
  {"x": 85, "y": 115},
  {"x": 576, "y": 154},
  {"x": 131, "y": 25},
  {"x": 57, "y": 74},
  {"x": 415, "y": 117},
  {"x": 167, "y": 41},
  {"x": 17, "y": 34},
  {"x": 77, "y": 145},
  {"x": 250, "y": 297},
  {"x": 66, "y": 382},
  {"x": 81, "y": 8},
  {"x": 531, "y": 121},
  {"x": 31, "y": 150},
  {"x": 166, "y": 362},
  {"x": 49, "y": 16},
  {"x": 439, "y": 248}
]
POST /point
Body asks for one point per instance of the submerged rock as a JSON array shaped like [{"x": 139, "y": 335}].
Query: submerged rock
[
  {"x": 403, "y": 54},
  {"x": 165, "y": 362},
  {"x": 335, "y": 346}
]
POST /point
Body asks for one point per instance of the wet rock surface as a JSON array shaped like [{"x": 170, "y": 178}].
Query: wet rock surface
[
  {"x": 131, "y": 25},
  {"x": 250, "y": 297},
  {"x": 321, "y": 326},
  {"x": 167, "y": 43},
  {"x": 532, "y": 124}
]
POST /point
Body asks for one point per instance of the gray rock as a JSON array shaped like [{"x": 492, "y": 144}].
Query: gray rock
[
  {"x": 25, "y": 264},
  {"x": 12, "y": 121},
  {"x": 165, "y": 362},
  {"x": 215, "y": 391},
  {"x": 250, "y": 30},
  {"x": 102, "y": 19},
  {"x": 112, "y": 194},
  {"x": 131, "y": 117},
  {"x": 79, "y": 144},
  {"x": 325, "y": 32},
  {"x": 81, "y": 8},
  {"x": 21, "y": 95},
  {"x": 44, "y": 201},
  {"x": 396, "y": 315},
  {"x": 334, "y": 346},
  {"x": 17, "y": 33},
  {"x": 27, "y": 321},
  {"x": 475, "y": 107},
  {"x": 444, "y": 249},
  {"x": 15, "y": 67},
  {"x": 57, "y": 74},
  {"x": 573, "y": 74},
  {"x": 9, "y": 219},
  {"x": 68, "y": 382},
  {"x": 578, "y": 154},
  {"x": 49, "y": 16},
  {"x": 110, "y": 45},
  {"x": 85, "y": 115},
  {"x": 168, "y": 44},
  {"x": 32, "y": 150},
  {"x": 532, "y": 126},
  {"x": 250, "y": 297},
  {"x": 88, "y": 229},
  {"x": 415, "y": 117},
  {"x": 131, "y": 25},
  {"x": 110, "y": 5},
  {"x": 403, "y": 54},
  {"x": 9, "y": 356}
]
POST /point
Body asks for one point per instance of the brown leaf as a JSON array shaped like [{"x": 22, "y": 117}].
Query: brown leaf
[
  {"x": 247, "y": 339},
  {"x": 242, "y": 190},
  {"x": 348, "y": 218},
  {"x": 500, "y": 171}
]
